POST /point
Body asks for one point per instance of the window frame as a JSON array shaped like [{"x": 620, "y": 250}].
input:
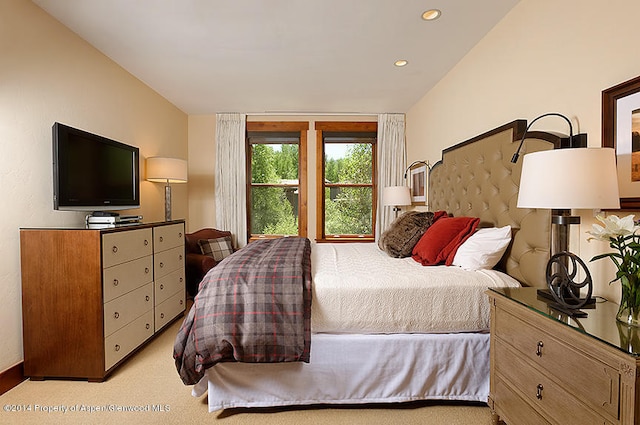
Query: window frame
[
  {"x": 321, "y": 128},
  {"x": 300, "y": 127}
]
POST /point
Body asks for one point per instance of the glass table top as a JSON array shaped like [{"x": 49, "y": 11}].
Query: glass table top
[{"x": 600, "y": 322}]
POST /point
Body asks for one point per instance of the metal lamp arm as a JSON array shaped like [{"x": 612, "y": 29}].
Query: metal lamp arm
[
  {"x": 516, "y": 155},
  {"x": 414, "y": 163}
]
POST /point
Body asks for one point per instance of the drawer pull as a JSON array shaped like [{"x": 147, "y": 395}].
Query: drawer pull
[
  {"x": 146, "y": 270},
  {"x": 162, "y": 315},
  {"x": 146, "y": 298},
  {"x": 539, "y": 389},
  {"x": 180, "y": 257},
  {"x": 181, "y": 302},
  {"x": 161, "y": 239},
  {"x": 148, "y": 326},
  {"x": 539, "y": 349},
  {"x": 115, "y": 282},
  {"x": 161, "y": 287},
  {"x": 117, "y": 347},
  {"x": 180, "y": 234},
  {"x": 181, "y": 280},
  {"x": 116, "y": 315},
  {"x": 146, "y": 242},
  {"x": 114, "y": 249},
  {"x": 161, "y": 265}
]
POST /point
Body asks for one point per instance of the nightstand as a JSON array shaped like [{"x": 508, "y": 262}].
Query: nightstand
[{"x": 548, "y": 368}]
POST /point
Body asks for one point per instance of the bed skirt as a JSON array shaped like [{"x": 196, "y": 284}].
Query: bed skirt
[{"x": 355, "y": 369}]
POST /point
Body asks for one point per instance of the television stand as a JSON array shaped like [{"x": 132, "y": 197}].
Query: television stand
[{"x": 112, "y": 290}]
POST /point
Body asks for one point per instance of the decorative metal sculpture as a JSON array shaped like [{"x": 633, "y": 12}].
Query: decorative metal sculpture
[{"x": 562, "y": 270}]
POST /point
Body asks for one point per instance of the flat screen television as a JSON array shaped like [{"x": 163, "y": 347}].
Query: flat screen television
[{"x": 93, "y": 173}]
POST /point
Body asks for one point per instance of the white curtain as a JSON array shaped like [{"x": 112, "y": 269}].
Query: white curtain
[
  {"x": 392, "y": 159},
  {"x": 230, "y": 179}
]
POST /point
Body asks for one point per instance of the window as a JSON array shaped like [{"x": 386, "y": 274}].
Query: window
[
  {"x": 346, "y": 175},
  {"x": 276, "y": 187}
]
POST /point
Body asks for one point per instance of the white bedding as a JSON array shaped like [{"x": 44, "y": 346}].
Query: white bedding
[
  {"x": 352, "y": 369},
  {"x": 391, "y": 341},
  {"x": 357, "y": 288}
]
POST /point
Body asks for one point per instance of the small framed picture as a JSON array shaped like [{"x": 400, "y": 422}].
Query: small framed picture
[
  {"x": 418, "y": 185},
  {"x": 621, "y": 131}
]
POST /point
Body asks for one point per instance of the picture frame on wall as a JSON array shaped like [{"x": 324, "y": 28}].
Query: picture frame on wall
[
  {"x": 621, "y": 131},
  {"x": 418, "y": 184}
]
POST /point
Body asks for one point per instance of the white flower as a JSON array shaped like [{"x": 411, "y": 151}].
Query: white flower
[{"x": 613, "y": 227}]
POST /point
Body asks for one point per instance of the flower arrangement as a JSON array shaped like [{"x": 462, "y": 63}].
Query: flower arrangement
[{"x": 623, "y": 239}]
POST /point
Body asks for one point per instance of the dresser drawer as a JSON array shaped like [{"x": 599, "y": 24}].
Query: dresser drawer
[
  {"x": 119, "y": 247},
  {"x": 127, "y": 339},
  {"x": 169, "y": 309},
  {"x": 520, "y": 412},
  {"x": 122, "y": 278},
  {"x": 126, "y": 308},
  {"x": 169, "y": 285},
  {"x": 167, "y": 261},
  {"x": 598, "y": 387},
  {"x": 170, "y": 236},
  {"x": 542, "y": 392}
]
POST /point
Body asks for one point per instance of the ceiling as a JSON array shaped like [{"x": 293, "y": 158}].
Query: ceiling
[{"x": 283, "y": 56}]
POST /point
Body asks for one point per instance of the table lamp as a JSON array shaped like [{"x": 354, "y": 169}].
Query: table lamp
[
  {"x": 396, "y": 196},
  {"x": 565, "y": 179},
  {"x": 166, "y": 170}
]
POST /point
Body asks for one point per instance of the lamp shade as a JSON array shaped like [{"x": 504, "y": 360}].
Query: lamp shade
[
  {"x": 166, "y": 170},
  {"x": 572, "y": 178},
  {"x": 396, "y": 195}
]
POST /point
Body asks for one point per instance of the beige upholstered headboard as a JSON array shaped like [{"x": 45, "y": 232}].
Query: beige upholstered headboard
[{"x": 476, "y": 178}]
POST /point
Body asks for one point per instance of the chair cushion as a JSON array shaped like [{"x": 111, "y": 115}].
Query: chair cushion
[
  {"x": 191, "y": 239},
  {"x": 218, "y": 248}
]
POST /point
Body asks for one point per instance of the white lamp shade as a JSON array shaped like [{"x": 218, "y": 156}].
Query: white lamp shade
[
  {"x": 166, "y": 170},
  {"x": 396, "y": 195},
  {"x": 572, "y": 178}
]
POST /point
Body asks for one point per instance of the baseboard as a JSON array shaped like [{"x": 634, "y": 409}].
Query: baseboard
[{"x": 11, "y": 377}]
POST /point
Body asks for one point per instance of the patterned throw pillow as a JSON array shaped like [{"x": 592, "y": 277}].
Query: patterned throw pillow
[
  {"x": 403, "y": 234},
  {"x": 218, "y": 248}
]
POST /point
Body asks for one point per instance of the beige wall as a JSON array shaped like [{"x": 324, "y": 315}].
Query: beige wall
[
  {"x": 49, "y": 74},
  {"x": 202, "y": 162},
  {"x": 202, "y": 157},
  {"x": 544, "y": 56}
]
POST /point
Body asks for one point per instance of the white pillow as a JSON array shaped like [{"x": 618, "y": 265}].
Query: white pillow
[{"x": 483, "y": 249}]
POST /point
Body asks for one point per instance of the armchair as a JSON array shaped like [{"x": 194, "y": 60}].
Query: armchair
[{"x": 197, "y": 264}]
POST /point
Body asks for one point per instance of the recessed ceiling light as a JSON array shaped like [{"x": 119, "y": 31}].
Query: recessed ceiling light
[
  {"x": 401, "y": 62},
  {"x": 431, "y": 14}
]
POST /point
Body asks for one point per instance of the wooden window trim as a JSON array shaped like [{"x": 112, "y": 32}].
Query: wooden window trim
[
  {"x": 361, "y": 127},
  {"x": 337, "y": 126},
  {"x": 278, "y": 126},
  {"x": 284, "y": 126}
]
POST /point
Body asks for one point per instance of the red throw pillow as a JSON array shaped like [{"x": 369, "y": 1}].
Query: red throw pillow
[{"x": 442, "y": 239}]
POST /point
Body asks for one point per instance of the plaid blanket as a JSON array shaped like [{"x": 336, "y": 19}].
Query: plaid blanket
[{"x": 254, "y": 306}]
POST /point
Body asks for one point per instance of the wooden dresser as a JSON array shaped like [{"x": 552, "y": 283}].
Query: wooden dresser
[
  {"x": 90, "y": 298},
  {"x": 547, "y": 368}
]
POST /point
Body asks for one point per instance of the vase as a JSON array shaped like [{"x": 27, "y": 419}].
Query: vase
[
  {"x": 629, "y": 338},
  {"x": 629, "y": 311}
]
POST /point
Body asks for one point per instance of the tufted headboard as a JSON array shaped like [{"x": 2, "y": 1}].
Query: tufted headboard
[{"x": 476, "y": 178}]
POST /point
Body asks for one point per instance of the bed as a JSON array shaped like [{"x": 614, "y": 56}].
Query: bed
[{"x": 406, "y": 340}]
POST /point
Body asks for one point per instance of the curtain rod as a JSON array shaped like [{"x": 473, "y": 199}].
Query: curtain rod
[{"x": 285, "y": 113}]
